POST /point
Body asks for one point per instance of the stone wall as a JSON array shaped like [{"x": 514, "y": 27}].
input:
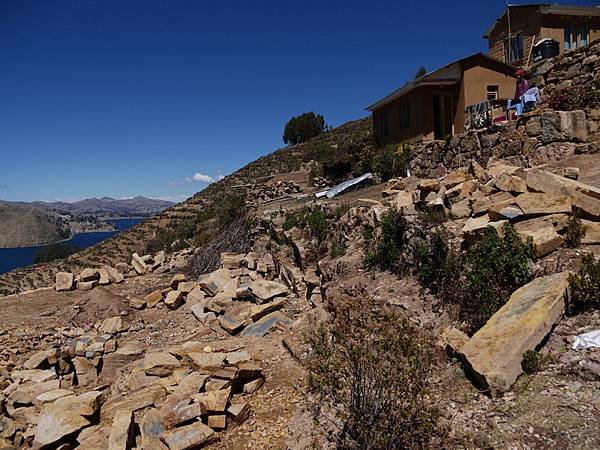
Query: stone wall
[
  {"x": 535, "y": 138},
  {"x": 577, "y": 67}
]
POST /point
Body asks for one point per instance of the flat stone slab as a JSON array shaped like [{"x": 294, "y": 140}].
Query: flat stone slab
[
  {"x": 494, "y": 354},
  {"x": 266, "y": 324},
  {"x": 265, "y": 290}
]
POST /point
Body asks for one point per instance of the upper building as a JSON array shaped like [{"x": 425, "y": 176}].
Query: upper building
[{"x": 513, "y": 34}]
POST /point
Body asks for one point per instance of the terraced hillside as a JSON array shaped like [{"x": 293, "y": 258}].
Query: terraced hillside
[{"x": 194, "y": 219}]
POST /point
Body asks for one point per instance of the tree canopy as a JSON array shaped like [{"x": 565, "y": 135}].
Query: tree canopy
[
  {"x": 303, "y": 127},
  {"x": 422, "y": 71}
]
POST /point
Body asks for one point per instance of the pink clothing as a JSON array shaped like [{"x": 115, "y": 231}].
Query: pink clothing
[{"x": 521, "y": 87}]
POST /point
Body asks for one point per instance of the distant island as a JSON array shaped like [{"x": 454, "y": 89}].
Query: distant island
[{"x": 25, "y": 224}]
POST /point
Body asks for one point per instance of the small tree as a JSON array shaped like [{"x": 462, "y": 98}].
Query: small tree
[
  {"x": 303, "y": 127},
  {"x": 422, "y": 71}
]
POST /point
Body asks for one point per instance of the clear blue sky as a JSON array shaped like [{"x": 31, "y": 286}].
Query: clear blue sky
[{"x": 122, "y": 98}]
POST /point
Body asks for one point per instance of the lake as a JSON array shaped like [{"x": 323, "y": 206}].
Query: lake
[{"x": 12, "y": 258}]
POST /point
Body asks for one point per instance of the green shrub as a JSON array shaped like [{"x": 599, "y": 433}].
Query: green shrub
[
  {"x": 575, "y": 232},
  {"x": 303, "y": 127},
  {"x": 392, "y": 161},
  {"x": 53, "y": 252},
  {"x": 370, "y": 368},
  {"x": 231, "y": 208},
  {"x": 317, "y": 223},
  {"x": 388, "y": 248},
  {"x": 495, "y": 268},
  {"x": 438, "y": 265},
  {"x": 585, "y": 286},
  {"x": 533, "y": 361},
  {"x": 294, "y": 219},
  {"x": 338, "y": 248}
]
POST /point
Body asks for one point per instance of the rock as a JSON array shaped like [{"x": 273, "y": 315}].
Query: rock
[
  {"x": 573, "y": 125},
  {"x": 266, "y": 324},
  {"x": 474, "y": 228},
  {"x": 265, "y": 290},
  {"x": 178, "y": 410},
  {"x": 428, "y": 185},
  {"x": 215, "y": 401},
  {"x": 64, "y": 281},
  {"x": 111, "y": 325},
  {"x": 159, "y": 258},
  {"x": 232, "y": 260},
  {"x": 511, "y": 213},
  {"x": 195, "y": 296},
  {"x": 454, "y": 340},
  {"x": 545, "y": 240},
  {"x": 151, "y": 428},
  {"x": 592, "y": 232},
  {"x": 137, "y": 303},
  {"x": 177, "y": 278},
  {"x": 174, "y": 299},
  {"x": 121, "y": 431},
  {"x": 39, "y": 359},
  {"x": 253, "y": 386},
  {"x": 404, "y": 199},
  {"x": 495, "y": 352},
  {"x": 534, "y": 203},
  {"x": 186, "y": 287},
  {"x": 138, "y": 264},
  {"x": 570, "y": 172},
  {"x": 583, "y": 197},
  {"x": 153, "y": 298},
  {"x": 188, "y": 437},
  {"x": 160, "y": 364},
  {"x": 510, "y": 183},
  {"x": 89, "y": 275},
  {"x": 259, "y": 311},
  {"x": 113, "y": 274},
  {"x": 52, "y": 396},
  {"x": 218, "y": 422},
  {"x": 230, "y": 323},
  {"x": 35, "y": 375},
  {"x": 86, "y": 404},
  {"x": 104, "y": 278},
  {"x": 56, "y": 424},
  {"x": 461, "y": 209},
  {"x": 456, "y": 177},
  {"x": 479, "y": 172},
  {"x": 239, "y": 411},
  {"x": 86, "y": 285}
]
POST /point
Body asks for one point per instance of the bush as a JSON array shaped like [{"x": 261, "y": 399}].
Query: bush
[
  {"x": 317, "y": 223},
  {"x": 54, "y": 251},
  {"x": 303, "y": 127},
  {"x": 533, "y": 361},
  {"x": 495, "y": 268},
  {"x": 338, "y": 248},
  {"x": 370, "y": 368},
  {"x": 392, "y": 161},
  {"x": 575, "y": 97},
  {"x": 438, "y": 265},
  {"x": 585, "y": 286},
  {"x": 574, "y": 232},
  {"x": 388, "y": 248}
]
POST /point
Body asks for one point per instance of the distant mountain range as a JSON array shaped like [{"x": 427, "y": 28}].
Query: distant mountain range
[
  {"x": 109, "y": 207},
  {"x": 27, "y": 224}
]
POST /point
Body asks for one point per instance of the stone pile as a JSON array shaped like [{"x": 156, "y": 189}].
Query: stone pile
[
  {"x": 538, "y": 202},
  {"x": 265, "y": 192},
  {"x": 89, "y": 278},
  {"x": 241, "y": 296},
  {"x": 93, "y": 392}
]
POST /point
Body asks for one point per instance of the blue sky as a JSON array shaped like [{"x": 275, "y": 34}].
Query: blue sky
[{"x": 125, "y": 98}]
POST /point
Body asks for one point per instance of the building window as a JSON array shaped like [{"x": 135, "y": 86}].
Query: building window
[
  {"x": 404, "y": 113},
  {"x": 492, "y": 92},
  {"x": 385, "y": 125},
  {"x": 576, "y": 35},
  {"x": 513, "y": 48}
]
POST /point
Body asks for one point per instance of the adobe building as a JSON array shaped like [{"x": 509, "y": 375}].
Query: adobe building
[
  {"x": 433, "y": 106},
  {"x": 511, "y": 37}
]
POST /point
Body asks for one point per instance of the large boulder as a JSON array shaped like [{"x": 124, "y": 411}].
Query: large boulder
[
  {"x": 55, "y": 424},
  {"x": 535, "y": 203},
  {"x": 495, "y": 352},
  {"x": 64, "y": 281}
]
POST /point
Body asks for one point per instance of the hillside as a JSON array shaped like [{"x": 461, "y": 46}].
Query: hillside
[{"x": 22, "y": 226}]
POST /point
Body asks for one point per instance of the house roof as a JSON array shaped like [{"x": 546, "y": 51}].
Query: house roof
[
  {"x": 449, "y": 74},
  {"x": 549, "y": 8}
]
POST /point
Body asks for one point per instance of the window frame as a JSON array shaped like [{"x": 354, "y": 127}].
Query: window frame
[{"x": 404, "y": 115}]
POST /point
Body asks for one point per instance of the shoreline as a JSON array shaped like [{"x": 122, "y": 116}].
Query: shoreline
[{"x": 114, "y": 230}]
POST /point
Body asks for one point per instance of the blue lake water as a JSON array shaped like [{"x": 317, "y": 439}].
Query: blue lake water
[{"x": 12, "y": 258}]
